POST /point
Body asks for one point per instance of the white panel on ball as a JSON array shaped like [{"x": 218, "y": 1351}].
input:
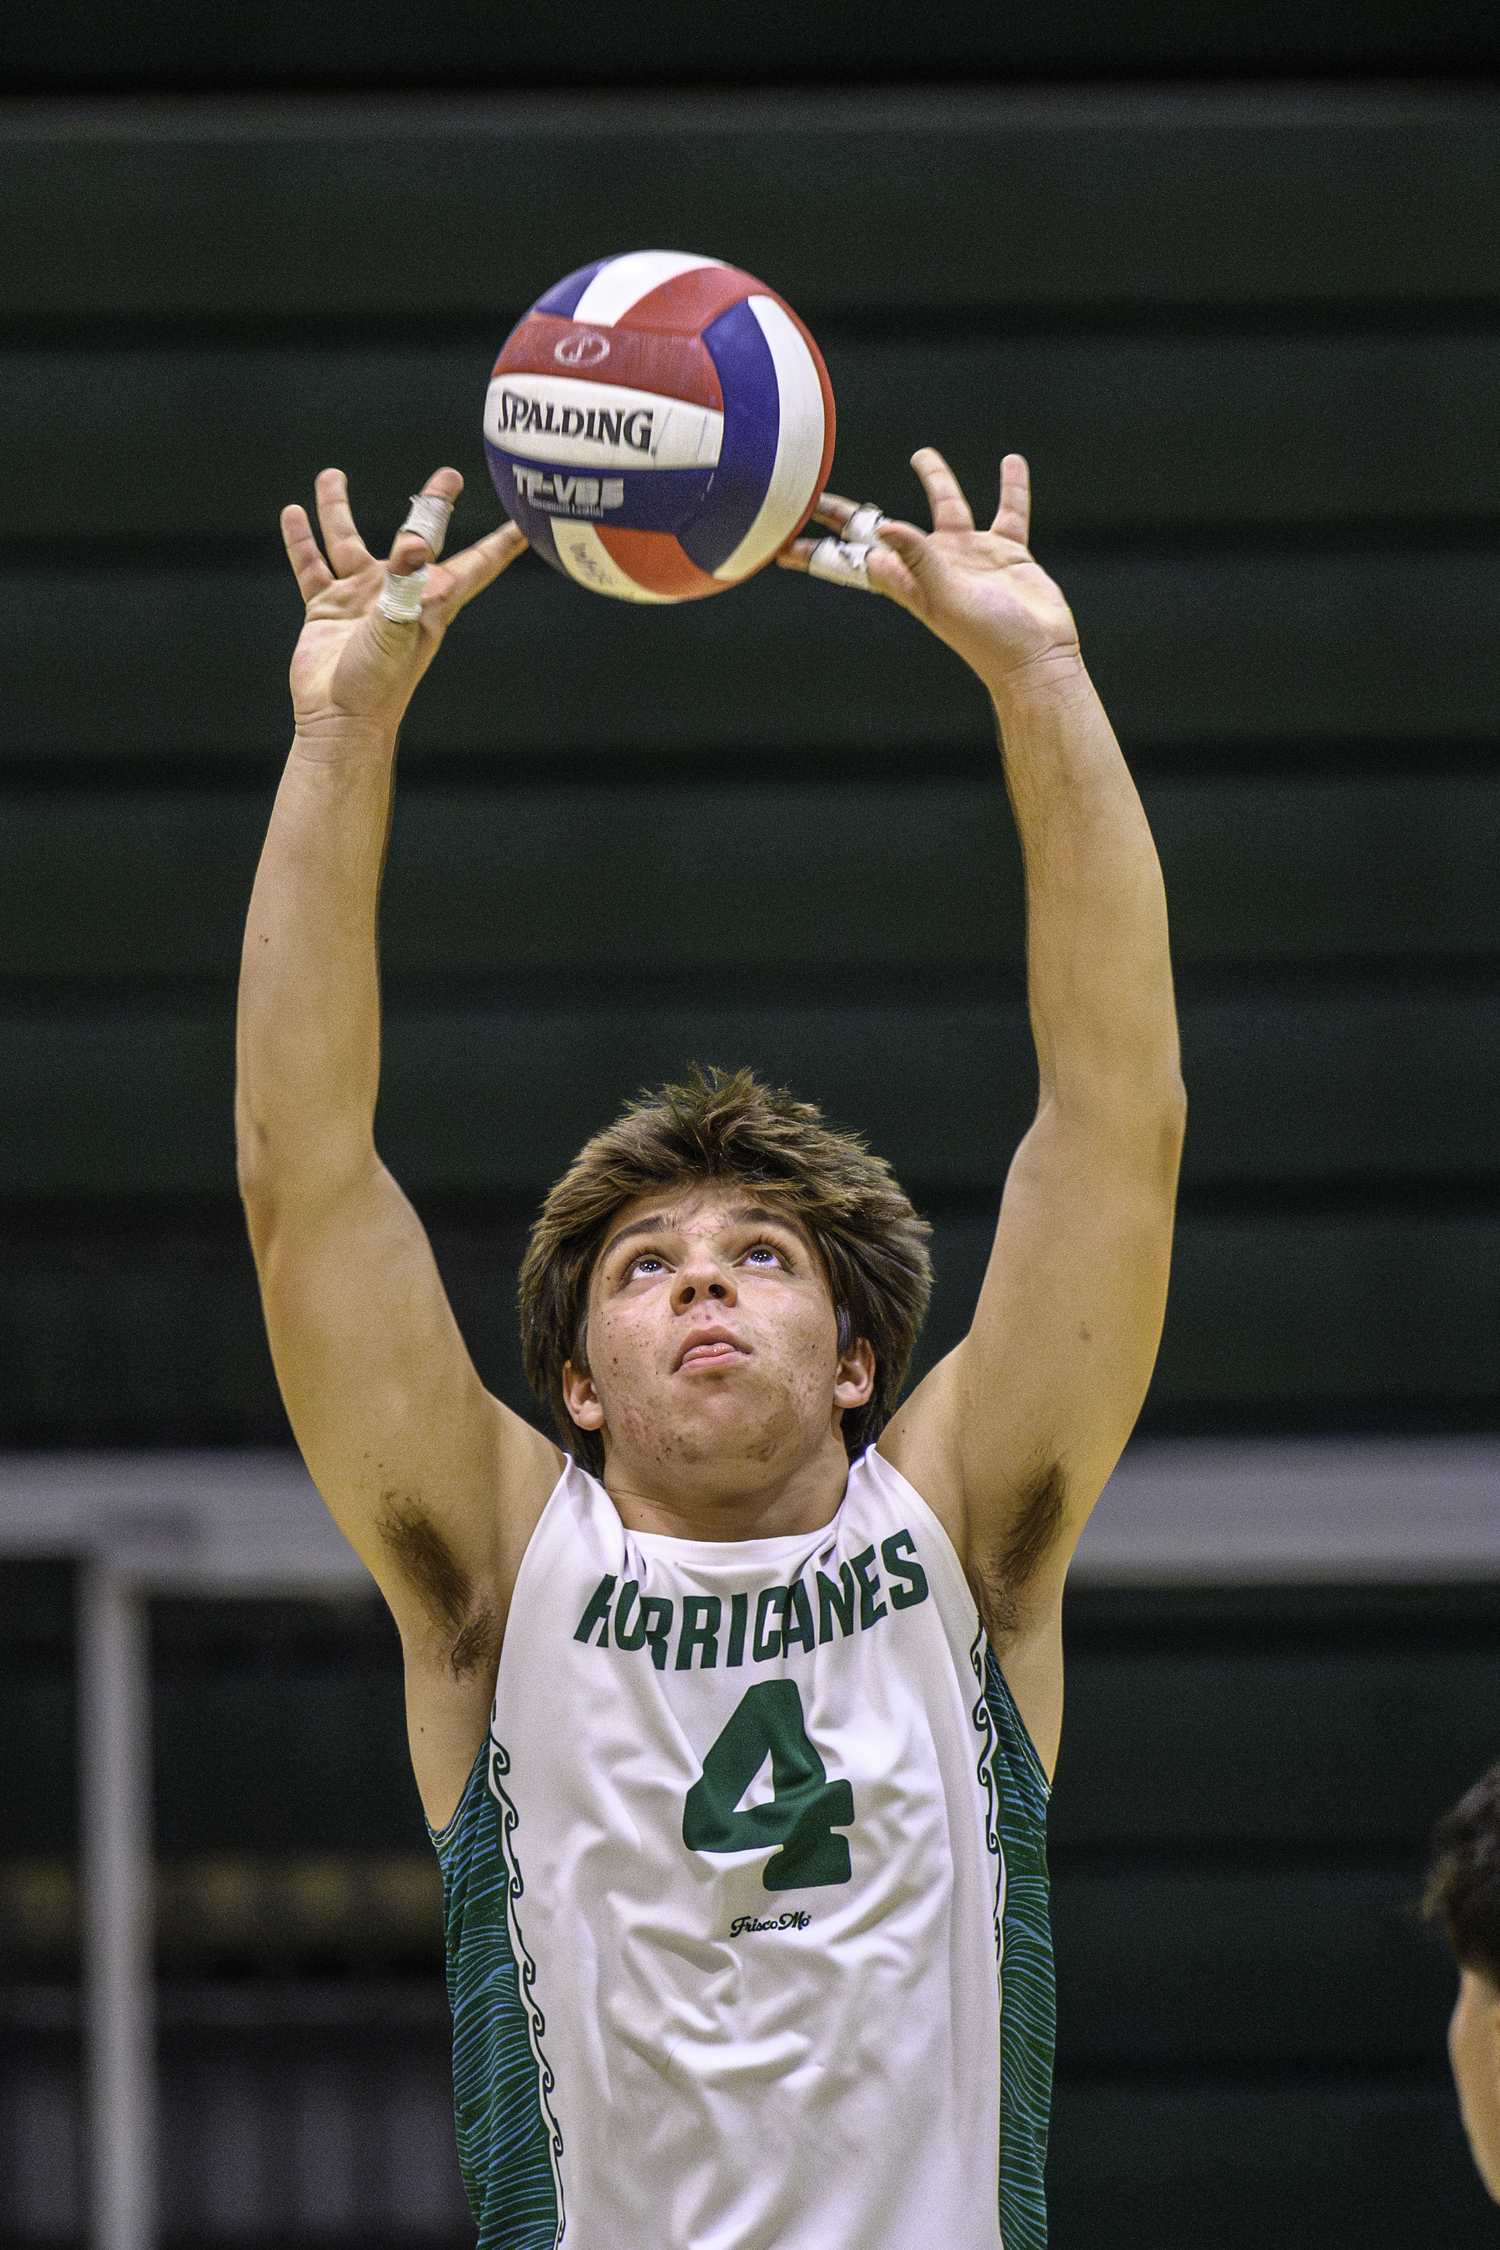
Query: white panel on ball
[
  {"x": 585, "y": 557},
  {"x": 676, "y": 435},
  {"x": 624, "y": 281},
  {"x": 799, "y": 442}
]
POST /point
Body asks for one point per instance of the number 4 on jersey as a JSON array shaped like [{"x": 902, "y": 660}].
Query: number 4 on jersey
[{"x": 803, "y": 1812}]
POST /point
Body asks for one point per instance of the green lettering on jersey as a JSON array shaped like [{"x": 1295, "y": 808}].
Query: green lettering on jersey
[
  {"x": 654, "y": 1624},
  {"x": 914, "y": 1590},
  {"x": 767, "y": 1642},
  {"x": 700, "y": 1629},
  {"x": 597, "y": 1613},
  {"x": 871, "y": 1608},
  {"x": 805, "y": 1806},
  {"x": 739, "y": 1610},
  {"x": 798, "y": 1629},
  {"x": 836, "y": 1602}
]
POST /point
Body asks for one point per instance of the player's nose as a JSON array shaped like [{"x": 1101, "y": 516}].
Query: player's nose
[{"x": 701, "y": 1278}]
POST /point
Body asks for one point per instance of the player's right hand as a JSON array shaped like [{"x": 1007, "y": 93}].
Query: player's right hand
[
  {"x": 983, "y": 592},
  {"x": 354, "y": 669}
]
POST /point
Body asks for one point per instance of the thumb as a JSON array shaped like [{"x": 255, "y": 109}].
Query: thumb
[{"x": 896, "y": 560}]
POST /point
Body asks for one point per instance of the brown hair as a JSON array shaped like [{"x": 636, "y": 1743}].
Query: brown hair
[
  {"x": 1463, "y": 1882},
  {"x": 730, "y": 1126}
]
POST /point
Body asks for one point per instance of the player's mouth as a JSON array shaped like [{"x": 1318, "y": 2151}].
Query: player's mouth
[{"x": 711, "y": 1347}]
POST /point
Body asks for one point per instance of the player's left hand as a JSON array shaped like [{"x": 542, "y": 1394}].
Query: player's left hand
[
  {"x": 353, "y": 666},
  {"x": 980, "y": 591}
]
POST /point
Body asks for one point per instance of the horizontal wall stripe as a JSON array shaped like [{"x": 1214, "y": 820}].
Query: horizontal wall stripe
[
  {"x": 1175, "y": 1965},
  {"x": 1178, "y": 197},
  {"x": 1304, "y": 2164},
  {"x": 1301, "y": 1093},
  {"x": 123, "y": 1329},
  {"x": 1124, "y": 434},
  {"x": 1320, "y": 1743},
  {"x": 594, "y": 881},
  {"x": 1250, "y": 653},
  {"x": 317, "y": 41}
]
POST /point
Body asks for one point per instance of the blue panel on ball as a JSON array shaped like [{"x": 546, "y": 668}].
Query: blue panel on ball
[
  {"x": 563, "y": 298},
  {"x": 633, "y": 499},
  {"x": 752, "y": 419}
]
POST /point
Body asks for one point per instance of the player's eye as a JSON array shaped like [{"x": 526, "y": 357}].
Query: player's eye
[
  {"x": 763, "y": 1253},
  {"x": 648, "y": 1263}
]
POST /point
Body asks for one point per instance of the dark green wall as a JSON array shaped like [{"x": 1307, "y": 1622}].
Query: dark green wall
[
  {"x": 1251, "y": 343},
  {"x": 1250, "y": 2017},
  {"x": 464, "y": 43},
  {"x": 1230, "y": 276}
]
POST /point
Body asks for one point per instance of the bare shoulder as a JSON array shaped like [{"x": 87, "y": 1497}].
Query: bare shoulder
[
  {"x": 447, "y": 1525},
  {"x": 1012, "y": 1546},
  {"x": 448, "y": 1565},
  {"x": 1004, "y": 1534}
]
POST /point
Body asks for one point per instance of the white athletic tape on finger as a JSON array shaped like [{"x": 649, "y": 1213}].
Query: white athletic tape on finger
[
  {"x": 841, "y": 564},
  {"x": 401, "y": 598},
  {"x": 863, "y": 524},
  {"x": 428, "y": 517}
]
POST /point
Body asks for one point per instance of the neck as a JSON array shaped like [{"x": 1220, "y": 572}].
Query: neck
[{"x": 726, "y": 1500}]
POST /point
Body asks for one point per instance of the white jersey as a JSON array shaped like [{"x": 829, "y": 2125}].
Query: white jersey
[{"x": 750, "y": 1873}]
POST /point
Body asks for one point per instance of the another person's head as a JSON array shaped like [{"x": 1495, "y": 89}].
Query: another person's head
[
  {"x": 720, "y": 1155},
  {"x": 1463, "y": 1895}
]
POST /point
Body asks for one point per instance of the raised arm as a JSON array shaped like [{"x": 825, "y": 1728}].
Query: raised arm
[
  {"x": 1012, "y": 1437},
  {"x": 433, "y": 1481}
]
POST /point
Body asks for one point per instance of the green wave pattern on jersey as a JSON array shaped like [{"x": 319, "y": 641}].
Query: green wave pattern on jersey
[
  {"x": 504, "y": 2139},
  {"x": 1028, "y": 1996}
]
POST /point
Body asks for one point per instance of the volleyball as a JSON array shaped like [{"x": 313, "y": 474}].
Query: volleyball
[{"x": 659, "y": 425}]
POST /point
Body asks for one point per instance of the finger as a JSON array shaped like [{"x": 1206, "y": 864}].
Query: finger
[
  {"x": 346, "y": 551},
  {"x": 833, "y": 511},
  {"x": 468, "y": 573},
  {"x": 950, "y": 510},
  {"x": 411, "y": 550},
  {"x": 302, "y": 552},
  {"x": 859, "y": 520},
  {"x": 1013, "y": 517},
  {"x": 884, "y": 571}
]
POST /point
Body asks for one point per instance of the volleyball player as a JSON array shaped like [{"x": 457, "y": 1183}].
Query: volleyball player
[
  {"x": 733, "y": 1721},
  {"x": 1463, "y": 1895}
]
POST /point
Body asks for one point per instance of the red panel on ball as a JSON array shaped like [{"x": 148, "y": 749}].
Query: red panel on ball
[
  {"x": 689, "y": 301},
  {"x": 674, "y": 366},
  {"x": 656, "y": 563}
]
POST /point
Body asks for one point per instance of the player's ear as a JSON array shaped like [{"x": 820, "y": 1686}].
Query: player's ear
[
  {"x": 580, "y": 1397},
  {"x": 854, "y": 1382}
]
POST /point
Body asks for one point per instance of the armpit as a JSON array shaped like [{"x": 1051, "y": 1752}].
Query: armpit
[
  {"x": 439, "y": 1581},
  {"x": 1011, "y": 1561}
]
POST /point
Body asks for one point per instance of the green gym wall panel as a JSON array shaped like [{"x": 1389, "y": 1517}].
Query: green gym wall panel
[
  {"x": 1281, "y": 1963},
  {"x": 1126, "y": 433},
  {"x": 283, "y": 1759},
  {"x": 467, "y": 43},
  {"x": 122, "y": 1328},
  {"x": 1332, "y": 2163},
  {"x": 1293, "y": 1092},
  {"x": 1289, "y": 1318},
  {"x": 1229, "y": 653},
  {"x": 950, "y": 201},
  {"x": 573, "y": 879},
  {"x": 1382, "y": 1313},
  {"x": 479, "y": 1099},
  {"x": 133, "y": 1325},
  {"x": 1320, "y": 1744}
]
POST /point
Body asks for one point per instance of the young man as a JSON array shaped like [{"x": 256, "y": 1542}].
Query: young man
[
  {"x": 735, "y": 1753},
  {"x": 1463, "y": 1894}
]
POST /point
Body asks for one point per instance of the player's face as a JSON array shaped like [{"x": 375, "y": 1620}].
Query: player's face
[
  {"x": 712, "y": 1340},
  {"x": 1474, "y": 2049}
]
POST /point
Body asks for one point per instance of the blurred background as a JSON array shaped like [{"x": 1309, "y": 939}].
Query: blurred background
[{"x": 1230, "y": 276}]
